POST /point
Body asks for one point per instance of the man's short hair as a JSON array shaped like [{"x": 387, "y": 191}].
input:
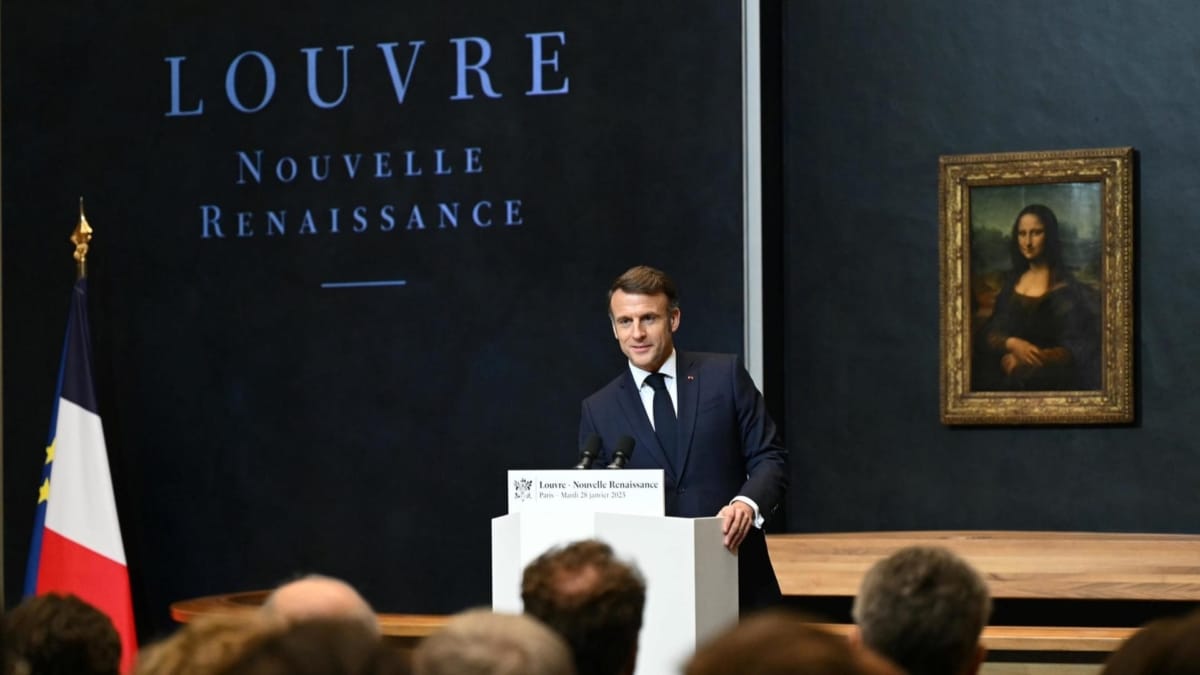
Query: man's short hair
[
  {"x": 924, "y": 608},
  {"x": 318, "y": 647},
  {"x": 55, "y": 634},
  {"x": 774, "y": 642},
  {"x": 592, "y": 599},
  {"x": 645, "y": 280},
  {"x": 480, "y": 642},
  {"x": 319, "y": 597},
  {"x": 205, "y": 645}
]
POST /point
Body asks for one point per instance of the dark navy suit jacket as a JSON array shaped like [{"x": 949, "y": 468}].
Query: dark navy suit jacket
[{"x": 729, "y": 446}]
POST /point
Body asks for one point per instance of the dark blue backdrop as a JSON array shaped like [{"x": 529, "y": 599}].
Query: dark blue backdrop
[
  {"x": 261, "y": 424},
  {"x": 875, "y": 92}
]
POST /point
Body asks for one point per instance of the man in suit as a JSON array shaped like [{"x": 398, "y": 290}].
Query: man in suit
[{"x": 699, "y": 418}]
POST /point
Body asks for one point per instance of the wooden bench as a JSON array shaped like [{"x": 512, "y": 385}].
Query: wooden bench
[{"x": 1052, "y": 566}]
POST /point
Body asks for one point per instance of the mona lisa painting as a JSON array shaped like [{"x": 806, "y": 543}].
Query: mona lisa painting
[{"x": 1036, "y": 270}]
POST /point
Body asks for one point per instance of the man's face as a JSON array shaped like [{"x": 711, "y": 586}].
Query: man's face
[{"x": 643, "y": 325}]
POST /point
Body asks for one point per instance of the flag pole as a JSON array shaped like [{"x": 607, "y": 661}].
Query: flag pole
[
  {"x": 81, "y": 237},
  {"x": 76, "y": 545}
]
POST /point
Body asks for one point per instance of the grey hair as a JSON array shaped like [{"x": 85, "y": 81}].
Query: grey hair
[
  {"x": 924, "y": 608},
  {"x": 480, "y": 642}
]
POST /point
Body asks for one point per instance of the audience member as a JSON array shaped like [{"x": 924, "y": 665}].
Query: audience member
[
  {"x": 1164, "y": 647},
  {"x": 319, "y": 597},
  {"x": 924, "y": 609},
  {"x": 778, "y": 642},
  {"x": 319, "y": 647},
  {"x": 479, "y": 642},
  {"x": 593, "y": 600},
  {"x": 205, "y": 645},
  {"x": 10, "y": 664},
  {"x": 52, "y": 634}
]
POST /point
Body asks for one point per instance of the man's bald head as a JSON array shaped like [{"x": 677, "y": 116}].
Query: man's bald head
[{"x": 319, "y": 597}]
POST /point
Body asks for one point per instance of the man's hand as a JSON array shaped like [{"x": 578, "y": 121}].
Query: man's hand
[{"x": 738, "y": 518}]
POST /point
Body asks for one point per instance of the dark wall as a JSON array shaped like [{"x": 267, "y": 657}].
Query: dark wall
[
  {"x": 874, "y": 92},
  {"x": 261, "y": 424}
]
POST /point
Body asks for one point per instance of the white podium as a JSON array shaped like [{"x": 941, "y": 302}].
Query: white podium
[{"x": 691, "y": 580}]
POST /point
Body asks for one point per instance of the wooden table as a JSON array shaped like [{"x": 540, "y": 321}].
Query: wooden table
[
  {"x": 1055, "y": 566},
  {"x": 1073, "y": 565},
  {"x": 405, "y": 629}
]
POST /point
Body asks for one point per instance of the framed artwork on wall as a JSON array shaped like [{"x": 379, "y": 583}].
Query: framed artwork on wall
[{"x": 1036, "y": 262}]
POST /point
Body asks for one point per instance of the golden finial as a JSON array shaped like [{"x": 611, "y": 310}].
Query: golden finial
[{"x": 80, "y": 237}]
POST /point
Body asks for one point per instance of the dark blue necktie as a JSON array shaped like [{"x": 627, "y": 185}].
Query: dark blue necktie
[{"x": 665, "y": 426}]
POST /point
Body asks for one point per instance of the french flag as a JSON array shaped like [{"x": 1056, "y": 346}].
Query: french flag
[{"x": 77, "y": 545}]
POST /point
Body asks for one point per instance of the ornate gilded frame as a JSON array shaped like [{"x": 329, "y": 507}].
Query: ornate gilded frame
[{"x": 1108, "y": 169}]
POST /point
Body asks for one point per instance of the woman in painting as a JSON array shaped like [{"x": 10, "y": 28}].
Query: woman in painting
[{"x": 1044, "y": 332}]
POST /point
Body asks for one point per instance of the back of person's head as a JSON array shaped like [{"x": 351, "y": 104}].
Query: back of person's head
[
  {"x": 775, "y": 642},
  {"x": 318, "y": 647},
  {"x": 924, "y": 608},
  {"x": 319, "y": 597},
  {"x": 54, "y": 634},
  {"x": 593, "y": 600},
  {"x": 1164, "y": 647},
  {"x": 205, "y": 645},
  {"x": 479, "y": 642}
]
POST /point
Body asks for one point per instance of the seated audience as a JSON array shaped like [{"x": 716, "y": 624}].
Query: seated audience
[
  {"x": 52, "y": 634},
  {"x": 1164, "y": 647},
  {"x": 592, "y": 600},
  {"x": 924, "y": 608},
  {"x": 778, "y": 642},
  {"x": 319, "y": 647},
  {"x": 205, "y": 645},
  {"x": 319, "y": 597},
  {"x": 479, "y": 642}
]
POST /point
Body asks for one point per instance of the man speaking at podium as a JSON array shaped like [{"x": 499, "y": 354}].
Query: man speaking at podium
[{"x": 699, "y": 418}]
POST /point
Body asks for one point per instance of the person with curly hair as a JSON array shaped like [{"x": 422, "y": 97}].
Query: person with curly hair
[
  {"x": 593, "y": 600},
  {"x": 62, "y": 635}
]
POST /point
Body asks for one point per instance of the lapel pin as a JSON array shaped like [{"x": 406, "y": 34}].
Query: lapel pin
[{"x": 691, "y": 378}]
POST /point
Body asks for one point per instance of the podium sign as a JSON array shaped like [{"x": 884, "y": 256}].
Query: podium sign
[
  {"x": 691, "y": 580},
  {"x": 636, "y": 492},
  {"x": 555, "y": 507}
]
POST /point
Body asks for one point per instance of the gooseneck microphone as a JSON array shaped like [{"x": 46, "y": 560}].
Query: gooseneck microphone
[
  {"x": 590, "y": 448},
  {"x": 621, "y": 452}
]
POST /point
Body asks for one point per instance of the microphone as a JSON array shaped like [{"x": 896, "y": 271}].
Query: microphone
[
  {"x": 622, "y": 452},
  {"x": 590, "y": 447}
]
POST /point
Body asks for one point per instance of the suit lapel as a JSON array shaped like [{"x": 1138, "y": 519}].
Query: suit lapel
[
  {"x": 643, "y": 433},
  {"x": 688, "y": 390}
]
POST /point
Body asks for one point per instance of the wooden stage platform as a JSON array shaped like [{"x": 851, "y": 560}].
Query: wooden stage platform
[
  {"x": 1160, "y": 573},
  {"x": 1063, "y": 573},
  {"x": 1045, "y": 565}
]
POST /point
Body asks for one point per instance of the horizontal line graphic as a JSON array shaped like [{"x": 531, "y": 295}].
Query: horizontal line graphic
[{"x": 363, "y": 284}]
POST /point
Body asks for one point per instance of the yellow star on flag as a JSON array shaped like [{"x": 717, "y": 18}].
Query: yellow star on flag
[
  {"x": 44, "y": 491},
  {"x": 49, "y": 453}
]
